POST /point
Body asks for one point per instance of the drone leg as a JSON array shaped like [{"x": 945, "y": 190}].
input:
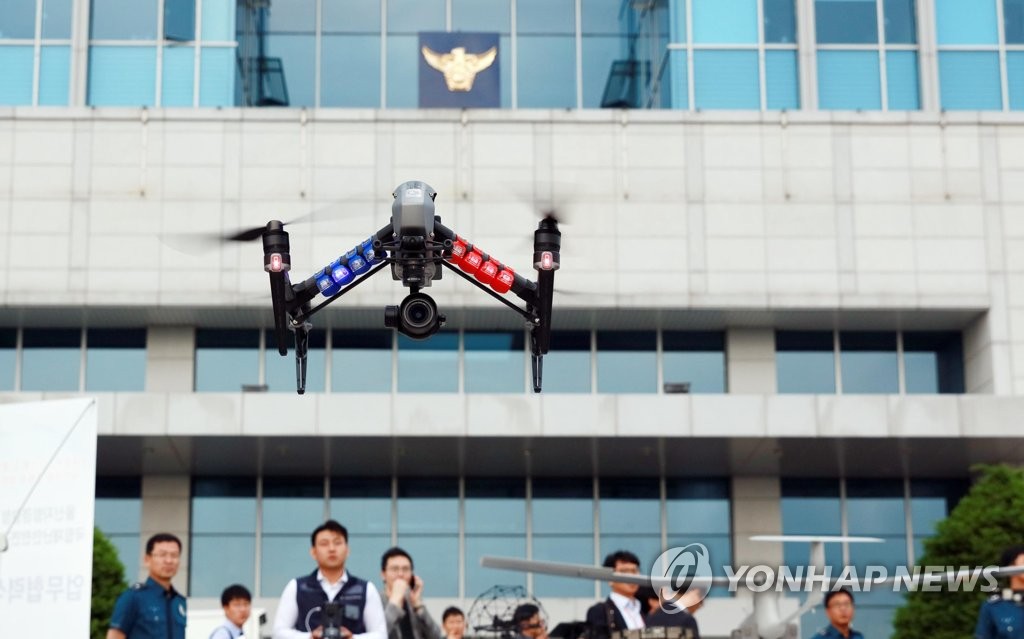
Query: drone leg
[
  {"x": 301, "y": 348},
  {"x": 537, "y": 359}
]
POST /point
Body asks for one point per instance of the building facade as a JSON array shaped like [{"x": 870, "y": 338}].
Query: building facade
[{"x": 812, "y": 220}]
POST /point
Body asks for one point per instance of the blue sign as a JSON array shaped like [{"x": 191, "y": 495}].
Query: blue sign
[{"x": 459, "y": 70}]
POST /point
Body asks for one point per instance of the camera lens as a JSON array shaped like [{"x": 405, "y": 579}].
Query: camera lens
[{"x": 418, "y": 313}]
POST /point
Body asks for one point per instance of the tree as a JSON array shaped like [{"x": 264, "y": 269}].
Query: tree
[
  {"x": 985, "y": 522},
  {"x": 107, "y": 583}
]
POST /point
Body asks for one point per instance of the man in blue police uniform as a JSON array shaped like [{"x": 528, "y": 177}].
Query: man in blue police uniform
[
  {"x": 839, "y": 608},
  {"x": 154, "y": 609},
  {"x": 1002, "y": 615},
  {"x": 303, "y": 602}
]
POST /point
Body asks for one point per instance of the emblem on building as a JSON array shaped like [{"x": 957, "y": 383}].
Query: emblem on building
[{"x": 459, "y": 68}]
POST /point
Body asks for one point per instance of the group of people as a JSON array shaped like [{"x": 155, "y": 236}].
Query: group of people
[{"x": 332, "y": 603}]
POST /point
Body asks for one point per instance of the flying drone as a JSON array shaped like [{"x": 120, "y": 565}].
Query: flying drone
[
  {"x": 493, "y": 612},
  {"x": 418, "y": 247}
]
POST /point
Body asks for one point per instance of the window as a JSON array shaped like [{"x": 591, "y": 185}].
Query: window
[
  {"x": 280, "y": 371},
  {"x": 868, "y": 362},
  {"x": 932, "y": 362},
  {"x": 734, "y": 54},
  {"x": 289, "y": 505},
  {"x": 805, "y": 362},
  {"x": 51, "y": 359},
  {"x": 428, "y": 529},
  {"x": 867, "y": 54},
  {"x": 430, "y": 366},
  {"x": 968, "y": 38},
  {"x": 630, "y": 516},
  {"x": 8, "y": 357},
  {"x": 494, "y": 362},
  {"x": 119, "y": 516},
  {"x": 223, "y": 545},
  {"x": 495, "y": 525},
  {"x": 546, "y": 50},
  {"x": 698, "y": 511},
  {"x": 361, "y": 361},
  {"x": 126, "y": 49},
  {"x": 694, "y": 357},
  {"x": 363, "y": 506},
  {"x": 115, "y": 360},
  {"x": 627, "y": 362},
  {"x": 227, "y": 360},
  {"x": 350, "y": 54},
  {"x": 567, "y": 365},
  {"x": 930, "y": 502},
  {"x": 563, "y": 530},
  {"x": 28, "y": 79}
]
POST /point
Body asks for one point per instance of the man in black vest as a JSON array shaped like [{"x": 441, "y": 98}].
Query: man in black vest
[
  {"x": 406, "y": 616},
  {"x": 299, "y": 613},
  {"x": 622, "y": 610}
]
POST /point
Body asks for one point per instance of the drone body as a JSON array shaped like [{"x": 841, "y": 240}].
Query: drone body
[{"x": 418, "y": 247}]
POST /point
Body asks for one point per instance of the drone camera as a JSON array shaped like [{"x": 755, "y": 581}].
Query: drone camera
[{"x": 416, "y": 317}]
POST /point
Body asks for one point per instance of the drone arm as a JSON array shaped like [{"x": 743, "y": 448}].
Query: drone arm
[{"x": 522, "y": 287}]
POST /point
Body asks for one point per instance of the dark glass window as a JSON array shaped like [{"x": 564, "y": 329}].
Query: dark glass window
[
  {"x": 494, "y": 362},
  {"x": 51, "y": 359},
  {"x": 627, "y": 362},
  {"x": 119, "y": 516},
  {"x": 226, "y": 360},
  {"x": 429, "y": 366},
  {"x": 563, "y": 530},
  {"x": 8, "y": 357},
  {"x": 18, "y": 19},
  {"x": 428, "y": 529},
  {"x": 123, "y": 20},
  {"x": 630, "y": 515},
  {"x": 363, "y": 506},
  {"x": 695, "y": 357},
  {"x": 289, "y": 505},
  {"x": 1013, "y": 17},
  {"x": 875, "y": 508},
  {"x": 805, "y": 362},
  {"x": 115, "y": 359},
  {"x": 900, "y": 22},
  {"x": 223, "y": 545},
  {"x": 180, "y": 20},
  {"x": 846, "y": 21},
  {"x": 933, "y": 362},
  {"x": 698, "y": 511},
  {"x": 361, "y": 361},
  {"x": 567, "y": 364},
  {"x": 780, "y": 21},
  {"x": 495, "y": 511},
  {"x": 868, "y": 362},
  {"x": 280, "y": 371}
]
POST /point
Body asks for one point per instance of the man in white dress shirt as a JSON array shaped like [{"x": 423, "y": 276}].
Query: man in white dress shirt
[
  {"x": 300, "y": 611},
  {"x": 621, "y": 610}
]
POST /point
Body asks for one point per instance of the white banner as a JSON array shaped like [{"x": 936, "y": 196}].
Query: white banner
[{"x": 47, "y": 489}]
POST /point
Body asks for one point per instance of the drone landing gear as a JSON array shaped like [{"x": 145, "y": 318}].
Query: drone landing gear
[
  {"x": 537, "y": 359},
  {"x": 301, "y": 349}
]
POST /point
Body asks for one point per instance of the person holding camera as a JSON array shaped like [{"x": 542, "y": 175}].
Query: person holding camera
[
  {"x": 329, "y": 603},
  {"x": 407, "y": 617}
]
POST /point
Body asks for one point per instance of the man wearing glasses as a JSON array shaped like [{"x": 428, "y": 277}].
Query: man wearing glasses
[
  {"x": 154, "y": 609},
  {"x": 622, "y": 610},
  {"x": 839, "y": 608}
]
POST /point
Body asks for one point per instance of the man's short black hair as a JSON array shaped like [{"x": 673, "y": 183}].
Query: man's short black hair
[
  {"x": 235, "y": 591},
  {"x": 330, "y": 525},
  {"x": 833, "y": 593},
  {"x": 623, "y": 556},
  {"x": 160, "y": 538},
  {"x": 452, "y": 611},
  {"x": 394, "y": 551},
  {"x": 524, "y": 612},
  {"x": 1010, "y": 555}
]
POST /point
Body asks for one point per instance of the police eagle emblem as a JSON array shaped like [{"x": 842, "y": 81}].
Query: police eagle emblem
[{"x": 459, "y": 68}]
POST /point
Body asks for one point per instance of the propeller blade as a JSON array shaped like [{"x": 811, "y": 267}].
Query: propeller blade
[{"x": 247, "y": 235}]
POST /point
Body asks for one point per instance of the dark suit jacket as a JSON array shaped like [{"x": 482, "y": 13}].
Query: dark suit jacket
[
  {"x": 604, "y": 618},
  {"x": 682, "y": 619}
]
